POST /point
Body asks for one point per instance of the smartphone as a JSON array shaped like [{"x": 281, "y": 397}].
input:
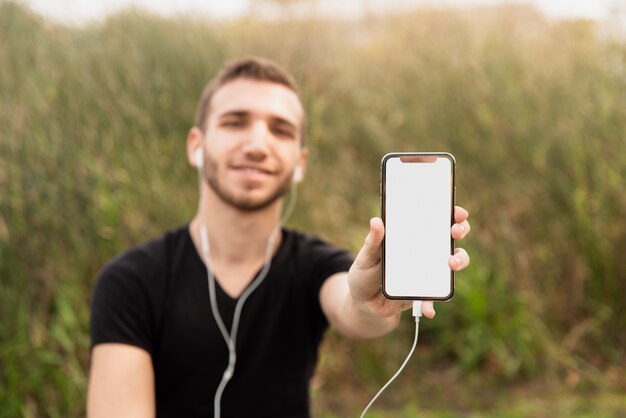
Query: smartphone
[{"x": 417, "y": 205}]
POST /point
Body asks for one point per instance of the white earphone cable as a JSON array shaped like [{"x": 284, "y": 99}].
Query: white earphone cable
[{"x": 231, "y": 337}]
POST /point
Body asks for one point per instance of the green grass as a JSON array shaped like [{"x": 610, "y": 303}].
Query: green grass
[
  {"x": 522, "y": 406},
  {"x": 92, "y": 160}
]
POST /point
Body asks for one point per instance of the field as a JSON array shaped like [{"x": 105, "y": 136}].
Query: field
[{"x": 92, "y": 160}]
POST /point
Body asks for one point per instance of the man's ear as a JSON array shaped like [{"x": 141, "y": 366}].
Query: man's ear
[
  {"x": 300, "y": 170},
  {"x": 194, "y": 146}
]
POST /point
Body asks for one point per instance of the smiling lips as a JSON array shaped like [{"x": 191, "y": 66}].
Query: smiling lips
[{"x": 252, "y": 172}]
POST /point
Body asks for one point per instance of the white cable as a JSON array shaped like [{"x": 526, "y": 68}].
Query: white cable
[
  {"x": 417, "y": 312},
  {"x": 231, "y": 337}
]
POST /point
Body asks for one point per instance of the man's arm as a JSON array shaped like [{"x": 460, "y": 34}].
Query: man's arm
[
  {"x": 121, "y": 382},
  {"x": 351, "y": 318},
  {"x": 353, "y": 302}
]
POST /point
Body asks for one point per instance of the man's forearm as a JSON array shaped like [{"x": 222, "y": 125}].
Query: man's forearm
[
  {"x": 361, "y": 322},
  {"x": 351, "y": 317}
]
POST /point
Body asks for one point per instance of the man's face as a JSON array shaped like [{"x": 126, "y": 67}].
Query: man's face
[{"x": 252, "y": 142}]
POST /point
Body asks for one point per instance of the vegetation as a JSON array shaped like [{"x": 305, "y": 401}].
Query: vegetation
[{"x": 92, "y": 161}]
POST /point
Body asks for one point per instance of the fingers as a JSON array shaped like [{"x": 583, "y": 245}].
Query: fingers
[
  {"x": 377, "y": 233},
  {"x": 460, "y": 230},
  {"x": 459, "y": 260},
  {"x": 460, "y": 214},
  {"x": 428, "y": 310},
  {"x": 461, "y": 227},
  {"x": 369, "y": 255}
]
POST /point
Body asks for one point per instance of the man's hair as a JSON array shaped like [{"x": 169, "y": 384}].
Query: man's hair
[{"x": 252, "y": 68}]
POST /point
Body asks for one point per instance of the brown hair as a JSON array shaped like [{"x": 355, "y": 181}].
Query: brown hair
[{"x": 253, "y": 68}]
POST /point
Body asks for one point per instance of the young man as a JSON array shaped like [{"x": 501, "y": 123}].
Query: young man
[{"x": 157, "y": 347}]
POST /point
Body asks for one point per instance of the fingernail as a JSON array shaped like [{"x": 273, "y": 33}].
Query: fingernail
[
  {"x": 457, "y": 261},
  {"x": 462, "y": 228}
]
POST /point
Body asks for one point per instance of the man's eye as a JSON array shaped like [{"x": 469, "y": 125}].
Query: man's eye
[
  {"x": 285, "y": 133},
  {"x": 232, "y": 123}
]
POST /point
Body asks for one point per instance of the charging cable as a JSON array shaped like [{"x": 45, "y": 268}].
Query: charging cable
[{"x": 417, "y": 313}]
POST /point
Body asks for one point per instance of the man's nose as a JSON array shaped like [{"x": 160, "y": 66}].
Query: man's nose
[{"x": 257, "y": 141}]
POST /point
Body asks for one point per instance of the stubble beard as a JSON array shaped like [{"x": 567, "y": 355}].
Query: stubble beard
[{"x": 242, "y": 203}]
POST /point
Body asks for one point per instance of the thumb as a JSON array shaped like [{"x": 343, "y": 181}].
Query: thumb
[{"x": 369, "y": 255}]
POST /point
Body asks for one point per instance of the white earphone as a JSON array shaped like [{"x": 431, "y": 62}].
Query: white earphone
[
  {"x": 297, "y": 174},
  {"x": 197, "y": 158},
  {"x": 230, "y": 336}
]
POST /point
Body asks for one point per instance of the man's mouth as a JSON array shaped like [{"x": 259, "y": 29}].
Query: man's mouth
[{"x": 252, "y": 172}]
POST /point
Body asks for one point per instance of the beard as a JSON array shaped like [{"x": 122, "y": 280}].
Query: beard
[{"x": 243, "y": 203}]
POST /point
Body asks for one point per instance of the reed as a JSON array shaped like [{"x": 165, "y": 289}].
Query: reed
[{"x": 92, "y": 161}]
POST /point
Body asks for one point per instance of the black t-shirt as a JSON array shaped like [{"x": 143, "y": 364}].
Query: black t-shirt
[{"x": 156, "y": 297}]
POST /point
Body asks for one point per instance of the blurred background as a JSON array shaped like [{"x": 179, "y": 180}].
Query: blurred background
[{"x": 94, "y": 111}]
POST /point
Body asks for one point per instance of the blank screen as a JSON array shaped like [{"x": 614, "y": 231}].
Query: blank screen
[{"x": 418, "y": 206}]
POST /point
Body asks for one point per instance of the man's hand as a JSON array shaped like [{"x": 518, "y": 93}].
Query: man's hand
[{"x": 365, "y": 273}]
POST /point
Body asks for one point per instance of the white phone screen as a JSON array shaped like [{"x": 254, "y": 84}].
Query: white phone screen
[{"x": 418, "y": 205}]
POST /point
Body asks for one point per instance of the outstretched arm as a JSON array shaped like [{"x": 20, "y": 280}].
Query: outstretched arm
[{"x": 353, "y": 301}]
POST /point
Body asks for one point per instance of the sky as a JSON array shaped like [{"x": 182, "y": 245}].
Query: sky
[{"x": 83, "y": 11}]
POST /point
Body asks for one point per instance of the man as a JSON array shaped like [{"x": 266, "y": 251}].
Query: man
[{"x": 157, "y": 348}]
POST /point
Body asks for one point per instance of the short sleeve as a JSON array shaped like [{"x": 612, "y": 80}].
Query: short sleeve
[
  {"x": 325, "y": 260},
  {"x": 328, "y": 260},
  {"x": 124, "y": 306}
]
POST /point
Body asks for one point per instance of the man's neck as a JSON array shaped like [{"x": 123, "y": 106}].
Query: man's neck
[{"x": 235, "y": 236}]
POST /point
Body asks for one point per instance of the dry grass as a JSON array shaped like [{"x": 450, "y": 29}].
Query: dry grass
[{"x": 92, "y": 161}]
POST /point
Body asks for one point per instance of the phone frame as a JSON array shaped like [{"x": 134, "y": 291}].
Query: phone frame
[{"x": 383, "y": 182}]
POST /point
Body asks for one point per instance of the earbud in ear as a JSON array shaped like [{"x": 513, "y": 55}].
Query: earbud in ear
[
  {"x": 297, "y": 174},
  {"x": 197, "y": 157}
]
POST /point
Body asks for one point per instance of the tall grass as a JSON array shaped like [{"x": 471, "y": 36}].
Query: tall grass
[{"x": 92, "y": 161}]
